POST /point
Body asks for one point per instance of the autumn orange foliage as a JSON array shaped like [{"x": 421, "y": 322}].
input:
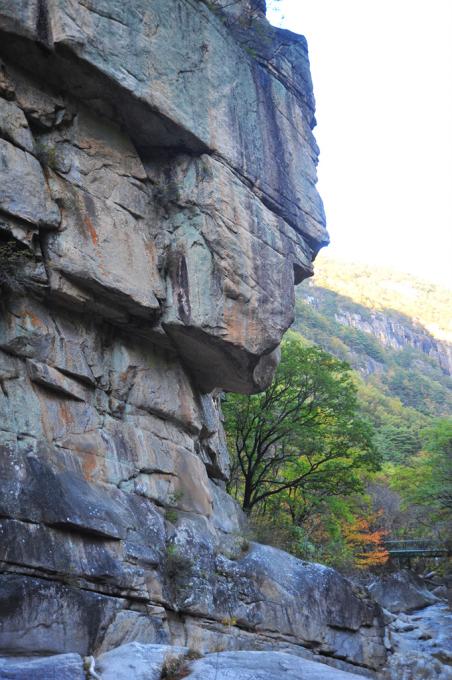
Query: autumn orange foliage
[{"x": 366, "y": 545}]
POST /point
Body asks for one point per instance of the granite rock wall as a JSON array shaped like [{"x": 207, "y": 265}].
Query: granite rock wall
[{"x": 157, "y": 206}]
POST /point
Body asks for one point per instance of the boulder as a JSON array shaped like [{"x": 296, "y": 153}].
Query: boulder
[
  {"x": 146, "y": 627},
  {"x": 440, "y": 591},
  {"x": 421, "y": 645},
  {"x": 271, "y": 594},
  {"x": 414, "y": 665},
  {"x": 402, "y": 591}
]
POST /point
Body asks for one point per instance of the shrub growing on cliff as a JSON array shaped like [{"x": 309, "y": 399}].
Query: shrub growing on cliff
[{"x": 301, "y": 439}]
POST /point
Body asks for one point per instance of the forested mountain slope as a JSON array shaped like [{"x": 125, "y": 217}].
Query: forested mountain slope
[
  {"x": 381, "y": 288},
  {"x": 403, "y": 371}
]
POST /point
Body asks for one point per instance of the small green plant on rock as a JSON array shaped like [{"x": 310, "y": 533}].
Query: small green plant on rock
[
  {"x": 175, "y": 497},
  {"x": 171, "y": 515},
  {"x": 229, "y": 621},
  {"x": 178, "y": 570},
  {"x": 238, "y": 545},
  {"x": 47, "y": 153}
]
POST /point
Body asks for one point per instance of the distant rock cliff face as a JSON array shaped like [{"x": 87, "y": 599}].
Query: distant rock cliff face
[
  {"x": 400, "y": 310},
  {"x": 399, "y": 334},
  {"x": 157, "y": 206}
]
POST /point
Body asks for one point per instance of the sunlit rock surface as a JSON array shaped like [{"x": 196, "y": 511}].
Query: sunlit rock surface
[{"x": 158, "y": 195}]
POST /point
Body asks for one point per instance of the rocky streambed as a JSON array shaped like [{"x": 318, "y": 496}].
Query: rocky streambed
[
  {"x": 418, "y": 627},
  {"x": 421, "y": 644}
]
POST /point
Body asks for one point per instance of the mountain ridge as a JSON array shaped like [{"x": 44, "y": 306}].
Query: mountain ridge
[{"x": 384, "y": 288}]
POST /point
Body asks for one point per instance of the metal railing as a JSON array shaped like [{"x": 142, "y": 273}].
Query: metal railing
[{"x": 413, "y": 547}]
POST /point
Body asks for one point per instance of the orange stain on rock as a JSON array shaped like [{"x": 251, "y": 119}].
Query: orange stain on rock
[
  {"x": 90, "y": 227},
  {"x": 65, "y": 413},
  {"x": 34, "y": 319},
  {"x": 89, "y": 466}
]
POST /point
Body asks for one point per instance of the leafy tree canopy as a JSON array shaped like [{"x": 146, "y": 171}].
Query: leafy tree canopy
[
  {"x": 438, "y": 443},
  {"x": 303, "y": 434}
]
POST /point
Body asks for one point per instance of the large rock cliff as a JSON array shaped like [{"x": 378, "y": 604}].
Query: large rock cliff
[{"x": 157, "y": 206}]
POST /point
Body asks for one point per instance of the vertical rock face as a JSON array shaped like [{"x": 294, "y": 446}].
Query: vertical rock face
[{"x": 157, "y": 206}]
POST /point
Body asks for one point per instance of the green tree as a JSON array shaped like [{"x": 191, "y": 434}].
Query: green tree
[
  {"x": 303, "y": 436},
  {"x": 425, "y": 482},
  {"x": 397, "y": 442},
  {"x": 438, "y": 443}
]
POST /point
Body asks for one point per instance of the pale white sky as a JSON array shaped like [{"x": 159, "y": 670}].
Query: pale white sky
[{"x": 382, "y": 72}]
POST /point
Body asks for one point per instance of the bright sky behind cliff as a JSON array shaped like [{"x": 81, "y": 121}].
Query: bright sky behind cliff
[{"x": 382, "y": 72}]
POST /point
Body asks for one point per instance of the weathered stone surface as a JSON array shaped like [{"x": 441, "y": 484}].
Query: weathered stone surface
[
  {"x": 147, "y": 627},
  {"x": 214, "y": 265},
  {"x": 105, "y": 244},
  {"x": 228, "y": 516},
  {"x": 23, "y": 190},
  {"x": 412, "y": 665},
  {"x": 22, "y": 17},
  {"x": 43, "y": 550},
  {"x": 229, "y": 256},
  {"x": 54, "y": 380},
  {"x": 241, "y": 12},
  {"x": 115, "y": 40},
  {"x": 60, "y": 667},
  {"x": 265, "y": 590},
  {"x": 263, "y": 666},
  {"x": 30, "y": 331},
  {"x": 43, "y": 107},
  {"x": 401, "y": 591},
  {"x": 14, "y": 126},
  {"x": 421, "y": 645},
  {"x": 44, "y": 617}
]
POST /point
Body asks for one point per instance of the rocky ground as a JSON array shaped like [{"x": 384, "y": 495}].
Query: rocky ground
[
  {"x": 419, "y": 627},
  {"x": 158, "y": 662},
  {"x": 418, "y": 639},
  {"x": 421, "y": 644}
]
